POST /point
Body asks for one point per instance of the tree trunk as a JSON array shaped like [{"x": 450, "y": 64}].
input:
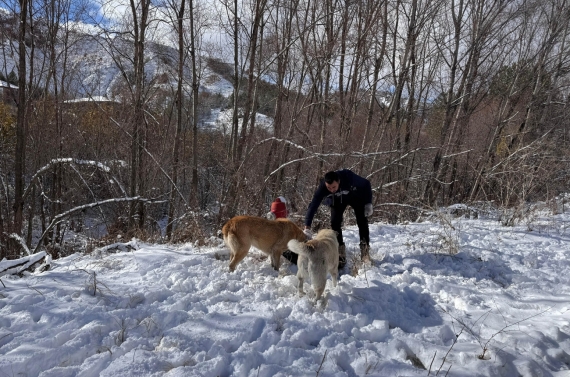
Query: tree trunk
[
  {"x": 179, "y": 117},
  {"x": 20, "y": 150},
  {"x": 140, "y": 13},
  {"x": 195, "y": 102}
]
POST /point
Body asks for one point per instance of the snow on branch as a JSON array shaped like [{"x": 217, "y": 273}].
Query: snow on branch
[
  {"x": 311, "y": 154},
  {"x": 117, "y": 247},
  {"x": 17, "y": 266},
  {"x": 57, "y": 161},
  {"x": 322, "y": 156},
  {"x": 20, "y": 241},
  {"x": 75, "y": 161},
  {"x": 397, "y": 160},
  {"x": 58, "y": 218}
]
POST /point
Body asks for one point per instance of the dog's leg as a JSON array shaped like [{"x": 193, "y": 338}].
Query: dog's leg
[
  {"x": 324, "y": 301},
  {"x": 232, "y": 261},
  {"x": 237, "y": 257},
  {"x": 275, "y": 259},
  {"x": 301, "y": 282},
  {"x": 334, "y": 275},
  {"x": 318, "y": 274},
  {"x": 302, "y": 272},
  {"x": 319, "y": 291},
  {"x": 235, "y": 246},
  {"x": 334, "y": 279}
]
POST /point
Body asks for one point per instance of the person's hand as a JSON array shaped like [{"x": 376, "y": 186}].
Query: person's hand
[
  {"x": 308, "y": 233},
  {"x": 368, "y": 210}
]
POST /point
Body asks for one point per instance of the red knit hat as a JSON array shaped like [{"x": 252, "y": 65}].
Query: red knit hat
[{"x": 279, "y": 208}]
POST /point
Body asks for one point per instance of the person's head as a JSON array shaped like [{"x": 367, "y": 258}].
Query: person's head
[{"x": 332, "y": 181}]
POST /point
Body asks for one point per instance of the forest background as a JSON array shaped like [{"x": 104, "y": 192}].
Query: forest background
[{"x": 106, "y": 120}]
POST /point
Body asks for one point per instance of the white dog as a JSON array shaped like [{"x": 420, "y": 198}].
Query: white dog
[{"x": 317, "y": 257}]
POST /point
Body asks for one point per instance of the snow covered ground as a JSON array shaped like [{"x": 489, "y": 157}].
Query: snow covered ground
[
  {"x": 499, "y": 307},
  {"x": 222, "y": 120}
]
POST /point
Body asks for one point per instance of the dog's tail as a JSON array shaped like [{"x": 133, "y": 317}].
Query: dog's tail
[
  {"x": 232, "y": 241},
  {"x": 301, "y": 248}
]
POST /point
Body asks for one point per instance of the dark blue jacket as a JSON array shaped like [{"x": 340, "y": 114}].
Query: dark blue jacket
[{"x": 353, "y": 190}]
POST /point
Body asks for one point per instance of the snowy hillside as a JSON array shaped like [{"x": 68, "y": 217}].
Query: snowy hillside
[
  {"x": 499, "y": 307},
  {"x": 97, "y": 66}
]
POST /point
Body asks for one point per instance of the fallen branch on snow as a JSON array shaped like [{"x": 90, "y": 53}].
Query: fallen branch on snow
[{"x": 30, "y": 263}]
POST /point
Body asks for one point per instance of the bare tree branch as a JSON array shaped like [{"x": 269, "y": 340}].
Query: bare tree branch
[{"x": 57, "y": 219}]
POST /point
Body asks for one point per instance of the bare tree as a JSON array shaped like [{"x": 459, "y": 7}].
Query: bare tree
[
  {"x": 125, "y": 41},
  {"x": 21, "y": 123},
  {"x": 140, "y": 18},
  {"x": 194, "y": 44},
  {"x": 178, "y": 9},
  {"x": 463, "y": 73}
]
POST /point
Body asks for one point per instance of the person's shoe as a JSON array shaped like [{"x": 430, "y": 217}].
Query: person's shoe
[
  {"x": 365, "y": 253},
  {"x": 341, "y": 256}
]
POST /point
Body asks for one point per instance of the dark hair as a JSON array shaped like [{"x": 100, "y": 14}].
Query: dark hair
[{"x": 332, "y": 176}]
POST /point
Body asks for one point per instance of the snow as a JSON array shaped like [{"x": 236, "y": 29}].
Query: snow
[
  {"x": 15, "y": 266},
  {"x": 499, "y": 307},
  {"x": 222, "y": 120},
  {"x": 91, "y": 99},
  {"x": 4, "y": 84},
  {"x": 216, "y": 84}
]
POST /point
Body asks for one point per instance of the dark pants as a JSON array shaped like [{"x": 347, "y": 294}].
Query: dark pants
[
  {"x": 337, "y": 213},
  {"x": 290, "y": 256}
]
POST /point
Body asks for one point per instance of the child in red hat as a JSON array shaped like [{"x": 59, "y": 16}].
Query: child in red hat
[{"x": 279, "y": 211}]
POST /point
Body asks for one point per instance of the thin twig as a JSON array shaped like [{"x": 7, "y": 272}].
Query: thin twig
[
  {"x": 35, "y": 290},
  {"x": 432, "y": 360},
  {"x": 447, "y": 353},
  {"x": 94, "y": 283},
  {"x": 322, "y": 362}
]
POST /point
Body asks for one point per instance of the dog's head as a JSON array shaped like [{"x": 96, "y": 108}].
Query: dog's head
[{"x": 327, "y": 233}]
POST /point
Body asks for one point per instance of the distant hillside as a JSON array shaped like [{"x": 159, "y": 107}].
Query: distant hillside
[{"x": 95, "y": 65}]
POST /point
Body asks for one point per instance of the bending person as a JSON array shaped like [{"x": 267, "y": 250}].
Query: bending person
[{"x": 338, "y": 190}]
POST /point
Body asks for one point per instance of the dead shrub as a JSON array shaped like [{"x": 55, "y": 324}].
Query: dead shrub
[{"x": 193, "y": 228}]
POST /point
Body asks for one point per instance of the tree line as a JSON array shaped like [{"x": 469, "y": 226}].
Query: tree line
[{"x": 435, "y": 102}]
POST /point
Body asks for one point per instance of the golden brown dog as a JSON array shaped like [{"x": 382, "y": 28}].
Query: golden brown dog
[{"x": 269, "y": 236}]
